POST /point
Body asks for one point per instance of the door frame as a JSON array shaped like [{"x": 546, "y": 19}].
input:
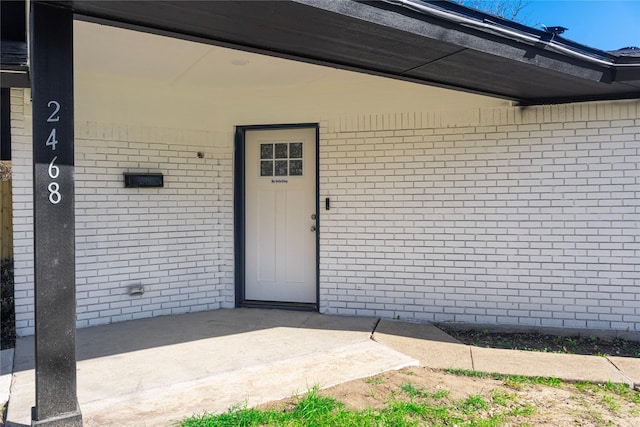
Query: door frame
[{"x": 239, "y": 204}]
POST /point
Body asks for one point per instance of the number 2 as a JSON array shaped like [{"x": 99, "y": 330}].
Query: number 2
[{"x": 54, "y": 116}]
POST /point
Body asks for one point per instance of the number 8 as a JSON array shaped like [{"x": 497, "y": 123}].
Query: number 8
[{"x": 55, "y": 196}]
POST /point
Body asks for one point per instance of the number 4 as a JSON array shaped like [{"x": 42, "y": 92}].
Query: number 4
[{"x": 52, "y": 141}]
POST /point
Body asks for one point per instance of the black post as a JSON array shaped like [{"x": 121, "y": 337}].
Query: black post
[{"x": 54, "y": 222}]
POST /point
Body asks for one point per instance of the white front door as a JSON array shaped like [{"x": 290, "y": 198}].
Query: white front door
[{"x": 280, "y": 215}]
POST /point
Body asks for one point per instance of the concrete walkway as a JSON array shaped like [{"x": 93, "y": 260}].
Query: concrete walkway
[
  {"x": 435, "y": 349},
  {"x": 154, "y": 372}
]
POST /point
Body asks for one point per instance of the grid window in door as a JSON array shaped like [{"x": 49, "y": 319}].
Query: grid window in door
[{"x": 281, "y": 159}]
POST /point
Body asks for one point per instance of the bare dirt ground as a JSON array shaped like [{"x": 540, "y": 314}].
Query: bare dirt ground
[
  {"x": 522, "y": 403},
  {"x": 527, "y": 404},
  {"x": 534, "y": 341}
]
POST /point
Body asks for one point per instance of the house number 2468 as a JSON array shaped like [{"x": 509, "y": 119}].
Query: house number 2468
[{"x": 52, "y": 141}]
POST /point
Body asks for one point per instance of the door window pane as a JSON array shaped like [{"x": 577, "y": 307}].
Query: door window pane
[
  {"x": 282, "y": 151},
  {"x": 295, "y": 150},
  {"x": 266, "y": 151},
  {"x": 281, "y": 168},
  {"x": 289, "y": 159},
  {"x": 295, "y": 167},
  {"x": 266, "y": 168}
]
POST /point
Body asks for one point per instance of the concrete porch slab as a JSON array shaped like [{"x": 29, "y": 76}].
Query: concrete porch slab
[
  {"x": 6, "y": 369},
  {"x": 154, "y": 372},
  {"x": 249, "y": 386},
  {"x": 157, "y": 371}
]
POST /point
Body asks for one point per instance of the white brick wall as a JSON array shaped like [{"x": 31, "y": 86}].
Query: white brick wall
[
  {"x": 522, "y": 216},
  {"x": 175, "y": 241},
  {"x": 22, "y": 208}
]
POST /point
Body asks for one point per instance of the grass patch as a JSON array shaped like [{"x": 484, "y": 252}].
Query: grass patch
[
  {"x": 418, "y": 403},
  {"x": 525, "y": 410},
  {"x": 502, "y": 397},
  {"x": 441, "y": 394},
  {"x": 611, "y": 402},
  {"x": 610, "y": 392},
  {"x": 424, "y": 408},
  {"x": 510, "y": 380},
  {"x": 411, "y": 391},
  {"x": 472, "y": 404}
]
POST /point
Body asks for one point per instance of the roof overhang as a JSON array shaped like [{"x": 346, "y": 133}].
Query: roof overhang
[
  {"x": 14, "y": 71},
  {"x": 14, "y": 67},
  {"x": 426, "y": 42}
]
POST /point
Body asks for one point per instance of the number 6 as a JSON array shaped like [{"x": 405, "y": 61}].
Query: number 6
[{"x": 54, "y": 170}]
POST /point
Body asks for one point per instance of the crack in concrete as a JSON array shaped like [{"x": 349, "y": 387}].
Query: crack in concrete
[
  {"x": 627, "y": 379},
  {"x": 473, "y": 365},
  {"x": 374, "y": 329}
]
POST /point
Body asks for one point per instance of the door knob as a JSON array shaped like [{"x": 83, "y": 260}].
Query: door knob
[{"x": 313, "y": 228}]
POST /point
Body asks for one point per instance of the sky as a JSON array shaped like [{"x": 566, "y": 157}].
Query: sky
[{"x": 603, "y": 24}]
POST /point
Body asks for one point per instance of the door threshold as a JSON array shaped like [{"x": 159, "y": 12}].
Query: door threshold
[{"x": 296, "y": 306}]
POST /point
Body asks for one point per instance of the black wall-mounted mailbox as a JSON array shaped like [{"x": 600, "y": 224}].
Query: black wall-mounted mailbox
[{"x": 135, "y": 180}]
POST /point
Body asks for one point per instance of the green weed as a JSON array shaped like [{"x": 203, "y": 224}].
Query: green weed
[
  {"x": 525, "y": 410},
  {"x": 502, "y": 397},
  {"x": 375, "y": 380},
  {"x": 516, "y": 380},
  {"x": 571, "y": 341},
  {"x": 469, "y": 373},
  {"x": 617, "y": 388},
  {"x": 441, "y": 394},
  {"x": 473, "y": 403},
  {"x": 410, "y": 390},
  {"x": 504, "y": 344},
  {"x": 583, "y": 385},
  {"x": 610, "y": 402},
  {"x": 510, "y": 380}
]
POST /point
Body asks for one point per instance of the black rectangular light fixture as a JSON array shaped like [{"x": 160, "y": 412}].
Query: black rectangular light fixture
[{"x": 138, "y": 180}]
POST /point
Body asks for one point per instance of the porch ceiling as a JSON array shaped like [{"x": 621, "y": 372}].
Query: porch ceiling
[{"x": 440, "y": 47}]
